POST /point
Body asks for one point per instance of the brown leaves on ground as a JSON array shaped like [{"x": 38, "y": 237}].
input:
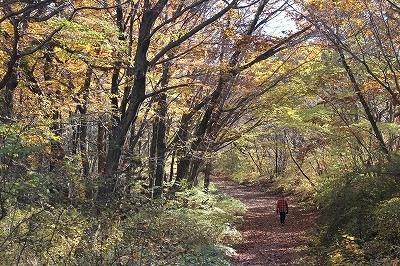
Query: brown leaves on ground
[{"x": 265, "y": 241}]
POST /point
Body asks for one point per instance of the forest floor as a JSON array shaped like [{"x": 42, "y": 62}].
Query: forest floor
[{"x": 265, "y": 241}]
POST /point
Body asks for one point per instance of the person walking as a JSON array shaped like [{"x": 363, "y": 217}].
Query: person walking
[{"x": 282, "y": 208}]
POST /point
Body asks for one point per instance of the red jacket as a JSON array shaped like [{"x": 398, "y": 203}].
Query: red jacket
[{"x": 282, "y": 206}]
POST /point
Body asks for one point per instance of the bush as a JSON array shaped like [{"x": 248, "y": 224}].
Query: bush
[
  {"x": 360, "y": 217},
  {"x": 387, "y": 219},
  {"x": 347, "y": 203},
  {"x": 193, "y": 229}
]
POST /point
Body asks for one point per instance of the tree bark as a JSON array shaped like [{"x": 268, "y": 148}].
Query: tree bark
[
  {"x": 158, "y": 142},
  {"x": 171, "y": 169},
  {"x": 118, "y": 134},
  {"x": 207, "y": 175},
  {"x": 57, "y": 153},
  {"x": 158, "y": 145},
  {"x": 7, "y": 97},
  {"x": 82, "y": 129},
  {"x": 101, "y": 146},
  {"x": 195, "y": 166},
  {"x": 141, "y": 65},
  {"x": 183, "y": 157}
]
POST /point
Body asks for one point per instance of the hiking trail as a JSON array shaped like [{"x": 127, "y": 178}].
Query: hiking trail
[{"x": 265, "y": 241}]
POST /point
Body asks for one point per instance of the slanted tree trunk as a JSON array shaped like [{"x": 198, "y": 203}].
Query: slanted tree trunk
[
  {"x": 225, "y": 79},
  {"x": 9, "y": 80},
  {"x": 137, "y": 95},
  {"x": 377, "y": 133}
]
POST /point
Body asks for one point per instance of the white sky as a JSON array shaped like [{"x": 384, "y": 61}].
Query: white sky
[{"x": 279, "y": 24}]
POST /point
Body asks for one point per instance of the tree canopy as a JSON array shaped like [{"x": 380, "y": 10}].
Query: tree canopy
[{"x": 113, "y": 110}]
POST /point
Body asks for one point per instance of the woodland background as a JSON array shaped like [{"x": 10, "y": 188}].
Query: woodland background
[{"x": 114, "y": 115}]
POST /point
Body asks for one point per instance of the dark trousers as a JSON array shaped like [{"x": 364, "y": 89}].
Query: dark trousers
[{"x": 282, "y": 216}]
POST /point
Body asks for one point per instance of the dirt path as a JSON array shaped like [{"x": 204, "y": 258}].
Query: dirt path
[{"x": 265, "y": 241}]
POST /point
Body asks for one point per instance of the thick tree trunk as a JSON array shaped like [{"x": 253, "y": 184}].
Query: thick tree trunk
[
  {"x": 6, "y": 113},
  {"x": 115, "y": 91},
  {"x": 119, "y": 133},
  {"x": 7, "y": 97},
  {"x": 183, "y": 157},
  {"x": 195, "y": 167},
  {"x": 200, "y": 133},
  {"x": 116, "y": 143},
  {"x": 158, "y": 145},
  {"x": 182, "y": 168},
  {"x": 137, "y": 96},
  {"x": 161, "y": 143}
]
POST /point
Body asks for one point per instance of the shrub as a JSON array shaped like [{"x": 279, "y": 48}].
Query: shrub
[
  {"x": 347, "y": 203},
  {"x": 194, "y": 228},
  {"x": 387, "y": 219},
  {"x": 360, "y": 217}
]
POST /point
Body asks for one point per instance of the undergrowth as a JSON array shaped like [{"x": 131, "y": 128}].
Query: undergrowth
[{"x": 194, "y": 228}]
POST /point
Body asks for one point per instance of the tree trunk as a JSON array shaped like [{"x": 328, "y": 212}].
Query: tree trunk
[
  {"x": 367, "y": 109},
  {"x": 7, "y": 96},
  {"x": 207, "y": 175},
  {"x": 158, "y": 140},
  {"x": 83, "y": 124},
  {"x": 183, "y": 157},
  {"x": 101, "y": 147},
  {"x": 118, "y": 134},
  {"x": 158, "y": 145},
  {"x": 171, "y": 169},
  {"x": 195, "y": 166},
  {"x": 57, "y": 152},
  {"x": 114, "y": 92},
  {"x": 6, "y": 113},
  {"x": 75, "y": 137}
]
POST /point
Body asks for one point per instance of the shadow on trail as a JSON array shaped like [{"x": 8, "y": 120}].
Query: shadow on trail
[{"x": 265, "y": 241}]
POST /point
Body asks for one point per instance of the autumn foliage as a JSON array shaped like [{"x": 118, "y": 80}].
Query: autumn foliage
[{"x": 114, "y": 115}]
